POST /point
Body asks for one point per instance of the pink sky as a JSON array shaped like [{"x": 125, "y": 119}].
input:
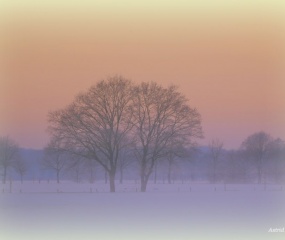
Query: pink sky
[{"x": 230, "y": 68}]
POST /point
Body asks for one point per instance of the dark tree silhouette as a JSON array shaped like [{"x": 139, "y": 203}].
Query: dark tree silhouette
[
  {"x": 126, "y": 159},
  {"x": 20, "y": 167},
  {"x": 173, "y": 153},
  {"x": 161, "y": 115},
  {"x": 55, "y": 159},
  {"x": 90, "y": 165},
  {"x": 9, "y": 152},
  {"x": 96, "y": 124},
  {"x": 257, "y": 147},
  {"x": 276, "y": 165},
  {"x": 77, "y": 167},
  {"x": 235, "y": 167}
]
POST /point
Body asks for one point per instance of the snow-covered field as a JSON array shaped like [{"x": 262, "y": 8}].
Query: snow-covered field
[{"x": 178, "y": 211}]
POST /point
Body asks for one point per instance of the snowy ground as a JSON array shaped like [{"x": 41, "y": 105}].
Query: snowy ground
[{"x": 178, "y": 211}]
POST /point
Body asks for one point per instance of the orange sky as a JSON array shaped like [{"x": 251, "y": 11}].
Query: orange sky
[{"x": 230, "y": 65}]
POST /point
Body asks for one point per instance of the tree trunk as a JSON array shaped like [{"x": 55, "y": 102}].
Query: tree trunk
[
  {"x": 92, "y": 177},
  {"x": 259, "y": 175},
  {"x": 112, "y": 181},
  {"x": 144, "y": 181},
  {"x": 155, "y": 173},
  {"x": 259, "y": 170},
  {"x": 57, "y": 176},
  {"x": 77, "y": 177},
  {"x": 169, "y": 173},
  {"x": 215, "y": 172},
  {"x": 106, "y": 177},
  {"x": 182, "y": 178},
  {"x": 4, "y": 175},
  {"x": 143, "y": 185},
  {"x": 121, "y": 175},
  {"x": 143, "y": 177}
]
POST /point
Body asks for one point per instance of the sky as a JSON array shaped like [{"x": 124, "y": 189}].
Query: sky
[{"x": 227, "y": 57}]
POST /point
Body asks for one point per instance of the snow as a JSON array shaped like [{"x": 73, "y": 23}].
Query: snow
[{"x": 177, "y": 211}]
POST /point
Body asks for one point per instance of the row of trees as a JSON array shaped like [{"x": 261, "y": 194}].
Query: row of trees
[
  {"x": 115, "y": 115},
  {"x": 209, "y": 163},
  {"x": 117, "y": 123},
  {"x": 259, "y": 155}
]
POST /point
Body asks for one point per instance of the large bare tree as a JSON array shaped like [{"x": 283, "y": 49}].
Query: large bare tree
[
  {"x": 161, "y": 116},
  {"x": 9, "y": 152},
  {"x": 257, "y": 147},
  {"x": 96, "y": 124}
]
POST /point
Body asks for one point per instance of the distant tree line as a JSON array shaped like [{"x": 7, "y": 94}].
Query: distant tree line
[
  {"x": 194, "y": 164},
  {"x": 10, "y": 158},
  {"x": 260, "y": 159},
  {"x": 144, "y": 132}
]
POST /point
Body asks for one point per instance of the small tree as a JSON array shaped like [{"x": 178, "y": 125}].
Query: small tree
[
  {"x": 235, "y": 167},
  {"x": 192, "y": 160},
  {"x": 125, "y": 160},
  {"x": 215, "y": 148},
  {"x": 256, "y": 147},
  {"x": 173, "y": 153},
  {"x": 276, "y": 165},
  {"x": 55, "y": 159},
  {"x": 9, "y": 152},
  {"x": 77, "y": 167},
  {"x": 90, "y": 165},
  {"x": 20, "y": 167}
]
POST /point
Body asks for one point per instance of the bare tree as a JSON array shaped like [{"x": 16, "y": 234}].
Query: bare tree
[
  {"x": 155, "y": 172},
  {"x": 20, "y": 167},
  {"x": 9, "y": 151},
  {"x": 95, "y": 124},
  {"x": 276, "y": 165},
  {"x": 235, "y": 167},
  {"x": 55, "y": 159},
  {"x": 215, "y": 147},
  {"x": 124, "y": 161},
  {"x": 90, "y": 165},
  {"x": 174, "y": 152},
  {"x": 160, "y": 116},
  {"x": 191, "y": 164},
  {"x": 256, "y": 148},
  {"x": 77, "y": 167}
]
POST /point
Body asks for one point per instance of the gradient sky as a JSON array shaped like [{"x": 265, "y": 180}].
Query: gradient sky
[{"x": 227, "y": 57}]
